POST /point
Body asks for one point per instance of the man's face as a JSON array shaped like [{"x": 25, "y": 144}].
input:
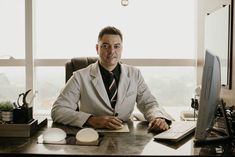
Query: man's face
[{"x": 109, "y": 48}]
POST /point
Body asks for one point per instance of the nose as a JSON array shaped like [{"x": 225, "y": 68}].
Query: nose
[{"x": 111, "y": 49}]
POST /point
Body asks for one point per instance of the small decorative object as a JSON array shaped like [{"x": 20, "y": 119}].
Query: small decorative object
[
  {"x": 23, "y": 113},
  {"x": 124, "y": 2},
  {"x": 6, "y": 108}
]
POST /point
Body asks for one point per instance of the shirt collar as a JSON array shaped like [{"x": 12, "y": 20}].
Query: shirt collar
[{"x": 116, "y": 71}]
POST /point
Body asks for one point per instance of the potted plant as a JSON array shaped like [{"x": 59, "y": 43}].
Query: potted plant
[{"x": 6, "y": 108}]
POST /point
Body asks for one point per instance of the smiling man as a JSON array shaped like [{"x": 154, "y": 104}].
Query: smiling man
[{"x": 106, "y": 91}]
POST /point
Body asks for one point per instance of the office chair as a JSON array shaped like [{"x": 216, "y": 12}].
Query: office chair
[
  {"x": 76, "y": 64},
  {"x": 82, "y": 62}
]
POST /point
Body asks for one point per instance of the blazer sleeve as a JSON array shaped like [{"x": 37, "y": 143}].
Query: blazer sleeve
[
  {"x": 65, "y": 106},
  {"x": 147, "y": 103}
]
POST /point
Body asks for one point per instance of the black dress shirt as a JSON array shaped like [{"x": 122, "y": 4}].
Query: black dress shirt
[{"x": 106, "y": 75}]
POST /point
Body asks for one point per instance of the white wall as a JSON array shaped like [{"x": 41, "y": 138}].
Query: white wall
[{"x": 206, "y": 6}]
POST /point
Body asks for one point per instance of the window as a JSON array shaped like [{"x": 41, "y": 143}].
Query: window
[
  {"x": 12, "y": 29},
  {"x": 163, "y": 29},
  {"x": 12, "y": 46},
  {"x": 12, "y": 80},
  {"x": 160, "y": 30},
  {"x": 49, "y": 82},
  {"x": 172, "y": 86}
]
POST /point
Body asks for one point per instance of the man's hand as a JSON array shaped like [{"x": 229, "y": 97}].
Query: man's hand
[
  {"x": 158, "y": 124},
  {"x": 108, "y": 122}
]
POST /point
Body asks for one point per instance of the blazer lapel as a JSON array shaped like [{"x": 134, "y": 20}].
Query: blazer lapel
[
  {"x": 123, "y": 85},
  {"x": 98, "y": 83}
]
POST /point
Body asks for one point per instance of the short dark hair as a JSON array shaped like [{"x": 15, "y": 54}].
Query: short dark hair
[{"x": 109, "y": 30}]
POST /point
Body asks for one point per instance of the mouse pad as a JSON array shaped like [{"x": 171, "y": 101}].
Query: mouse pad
[
  {"x": 124, "y": 129},
  {"x": 71, "y": 140}
]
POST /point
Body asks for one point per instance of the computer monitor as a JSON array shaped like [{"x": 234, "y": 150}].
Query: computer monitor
[{"x": 209, "y": 97}]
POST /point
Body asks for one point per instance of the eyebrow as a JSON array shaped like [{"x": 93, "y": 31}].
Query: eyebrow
[{"x": 110, "y": 44}]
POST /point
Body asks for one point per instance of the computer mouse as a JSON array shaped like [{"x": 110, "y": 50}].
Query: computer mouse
[
  {"x": 53, "y": 135},
  {"x": 87, "y": 135}
]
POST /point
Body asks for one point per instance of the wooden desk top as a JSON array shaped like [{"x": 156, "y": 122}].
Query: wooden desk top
[{"x": 136, "y": 142}]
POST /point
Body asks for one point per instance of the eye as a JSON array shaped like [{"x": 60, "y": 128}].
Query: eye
[
  {"x": 117, "y": 46},
  {"x": 105, "y": 46}
]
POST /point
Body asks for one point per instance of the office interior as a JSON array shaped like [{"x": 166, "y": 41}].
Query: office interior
[{"x": 202, "y": 8}]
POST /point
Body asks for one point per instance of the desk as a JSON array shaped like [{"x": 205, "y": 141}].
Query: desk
[{"x": 137, "y": 142}]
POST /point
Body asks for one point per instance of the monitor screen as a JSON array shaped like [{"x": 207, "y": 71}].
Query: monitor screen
[{"x": 209, "y": 97}]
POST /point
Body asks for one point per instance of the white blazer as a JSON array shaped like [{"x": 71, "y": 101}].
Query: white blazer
[{"x": 85, "y": 90}]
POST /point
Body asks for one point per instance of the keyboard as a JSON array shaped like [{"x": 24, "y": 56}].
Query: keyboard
[{"x": 178, "y": 130}]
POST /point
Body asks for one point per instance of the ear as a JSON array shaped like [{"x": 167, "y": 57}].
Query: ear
[{"x": 97, "y": 49}]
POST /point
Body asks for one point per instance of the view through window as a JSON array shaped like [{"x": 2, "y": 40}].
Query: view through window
[
  {"x": 12, "y": 46},
  {"x": 63, "y": 29},
  {"x": 163, "y": 29}
]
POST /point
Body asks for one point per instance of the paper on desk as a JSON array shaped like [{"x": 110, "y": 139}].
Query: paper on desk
[{"x": 125, "y": 128}]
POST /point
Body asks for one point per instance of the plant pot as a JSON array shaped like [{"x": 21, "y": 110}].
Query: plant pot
[
  {"x": 22, "y": 115},
  {"x": 7, "y": 116}
]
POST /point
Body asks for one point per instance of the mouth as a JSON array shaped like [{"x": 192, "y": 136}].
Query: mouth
[{"x": 112, "y": 57}]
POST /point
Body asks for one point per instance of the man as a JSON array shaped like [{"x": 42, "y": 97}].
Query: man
[{"x": 105, "y": 92}]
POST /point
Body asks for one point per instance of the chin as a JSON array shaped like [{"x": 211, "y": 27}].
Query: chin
[{"x": 112, "y": 62}]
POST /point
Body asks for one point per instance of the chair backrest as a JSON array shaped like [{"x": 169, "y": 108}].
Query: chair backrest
[{"x": 76, "y": 64}]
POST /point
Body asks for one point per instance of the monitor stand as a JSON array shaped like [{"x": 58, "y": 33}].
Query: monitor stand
[{"x": 226, "y": 135}]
